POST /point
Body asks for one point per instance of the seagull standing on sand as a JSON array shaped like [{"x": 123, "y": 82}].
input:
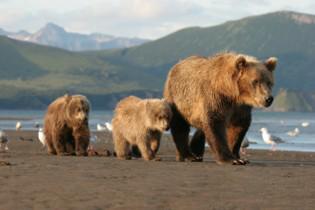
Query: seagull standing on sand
[
  {"x": 269, "y": 139},
  {"x": 100, "y": 127},
  {"x": 106, "y": 127},
  {"x": 305, "y": 124},
  {"x": 294, "y": 132},
  {"x": 3, "y": 141},
  {"x": 41, "y": 137},
  {"x": 18, "y": 125}
]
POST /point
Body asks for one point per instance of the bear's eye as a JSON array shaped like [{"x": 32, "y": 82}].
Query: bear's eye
[
  {"x": 269, "y": 84},
  {"x": 255, "y": 82}
]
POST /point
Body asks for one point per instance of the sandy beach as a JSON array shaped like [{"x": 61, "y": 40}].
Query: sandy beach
[{"x": 35, "y": 180}]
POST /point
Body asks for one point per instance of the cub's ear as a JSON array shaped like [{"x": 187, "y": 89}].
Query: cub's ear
[
  {"x": 67, "y": 97},
  {"x": 147, "y": 106},
  {"x": 271, "y": 63},
  {"x": 240, "y": 62}
]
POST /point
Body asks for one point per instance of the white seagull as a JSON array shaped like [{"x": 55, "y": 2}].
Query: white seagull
[
  {"x": 3, "y": 141},
  {"x": 41, "y": 137},
  {"x": 109, "y": 126},
  {"x": 305, "y": 124},
  {"x": 18, "y": 125},
  {"x": 294, "y": 132},
  {"x": 105, "y": 127},
  {"x": 100, "y": 127},
  {"x": 269, "y": 139}
]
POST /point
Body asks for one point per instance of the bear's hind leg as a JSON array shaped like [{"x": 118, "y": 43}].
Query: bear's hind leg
[
  {"x": 135, "y": 152},
  {"x": 180, "y": 132},
  {"x": 197, "y": 144}
]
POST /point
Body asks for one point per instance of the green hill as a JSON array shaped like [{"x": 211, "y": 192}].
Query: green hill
[
  {"x": 285, "y": 35},
  {"x": 32, "y": 75},
  {"x": 292, "y": 101}
]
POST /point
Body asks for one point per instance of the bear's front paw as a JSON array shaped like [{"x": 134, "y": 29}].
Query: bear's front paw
[
  {"x": 158, "y": 159},
  {"x": 124, "y": 157},
  {"x": 244, "y": 160},
  {"x": 239, "y": 162},
  {"x": 148, "y": 157},
  {"x": 232, "y": 161},
  {"x": 195, "y": 159}
]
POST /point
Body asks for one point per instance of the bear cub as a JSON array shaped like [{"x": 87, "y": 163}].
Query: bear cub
[
  {"x": 140, "y": 122},
  {"x": 66, "y": 125}
]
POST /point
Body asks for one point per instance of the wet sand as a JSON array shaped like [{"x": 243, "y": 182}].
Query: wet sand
[{"x": 35, "y": 180}]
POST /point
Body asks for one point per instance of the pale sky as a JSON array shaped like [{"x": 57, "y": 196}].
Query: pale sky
[{"x": 135, "y": 18}]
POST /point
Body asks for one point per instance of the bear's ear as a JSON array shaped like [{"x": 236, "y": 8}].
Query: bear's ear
[
  {"x": 240, "y": 62},
  {"x": 67, "y": 97},
  {"x": 271, "y": 63}
]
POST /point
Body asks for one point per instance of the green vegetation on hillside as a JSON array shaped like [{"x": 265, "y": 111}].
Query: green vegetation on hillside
[
  {"x": 29, "y": 71},
  {"x": 275, "y": 34}
]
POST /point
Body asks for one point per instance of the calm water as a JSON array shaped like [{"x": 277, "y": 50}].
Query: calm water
[{"x": 278, "y": 124}]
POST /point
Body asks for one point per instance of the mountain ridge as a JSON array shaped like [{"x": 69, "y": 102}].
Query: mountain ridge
[{"x": 56, "y": 36}]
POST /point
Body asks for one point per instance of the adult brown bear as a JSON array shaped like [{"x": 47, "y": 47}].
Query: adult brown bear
[
  {"x": 66, "y": 125},
  {"x": 216, "y": 95}
]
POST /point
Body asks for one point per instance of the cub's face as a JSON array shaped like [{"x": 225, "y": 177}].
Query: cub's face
[
  {"x": 256, "y": 81},
  {"x": 79, "y": 110},
  {"x": 161, "y": 116}
]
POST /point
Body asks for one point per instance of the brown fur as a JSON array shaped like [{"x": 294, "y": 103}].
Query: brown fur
[
  {"x": 216, "y": 95},
  {"x": 141, "y": 123},
  {"x": 66, "y": 125}
]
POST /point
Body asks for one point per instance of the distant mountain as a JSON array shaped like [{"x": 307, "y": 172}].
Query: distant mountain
[
  {"x": 54, "y": 35},
  {"x": 29, "y": 71},
  {"x": 14, "y": 34}
]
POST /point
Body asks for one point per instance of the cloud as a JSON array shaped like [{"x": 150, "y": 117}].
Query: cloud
[{"x": 142, "y": 18}]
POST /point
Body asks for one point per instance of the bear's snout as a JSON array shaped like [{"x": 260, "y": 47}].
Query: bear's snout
[{"x": 268, "y": 101}]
